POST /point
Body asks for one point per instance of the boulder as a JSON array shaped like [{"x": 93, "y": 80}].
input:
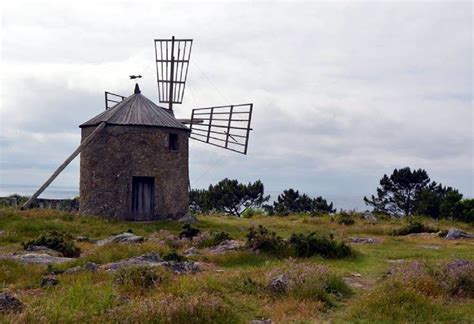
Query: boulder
[
  {"x": 152, "y": 260},
  {"x": 192, "y": 251},
  {"x": 368, "y": 216},
  {"x": 261, "y": 321},
  {"x": 188, "y": 218},
  {"x": 149, "y": 259},
  {"x": 455, "y": 234},
  {"x": 183, "y": 267},
  {"x": 279, "y": 284},
  {"x": 42, "y": 249},
  {"x": 227, "y": 245},
  {"x": 36, "y": 258},
  {"x": 49, "y": 281},
  {"x": 363, "y": 240},
  {"x": 10, "y": 304},
  {"x": 89, "y": 266},
  {"x": 121, "y": 238}
]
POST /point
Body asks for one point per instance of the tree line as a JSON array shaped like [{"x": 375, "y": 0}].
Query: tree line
[{"x": 405, "y": 192}]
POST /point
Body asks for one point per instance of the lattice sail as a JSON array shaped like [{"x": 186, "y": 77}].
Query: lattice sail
[
  {"x": 172, "y": 63},
  {"x": 111, "y": 99},
  {"x": 223, "y": 126}
]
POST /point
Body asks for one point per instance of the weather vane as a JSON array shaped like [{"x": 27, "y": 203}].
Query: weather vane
[{"x": 133, "y": 77}]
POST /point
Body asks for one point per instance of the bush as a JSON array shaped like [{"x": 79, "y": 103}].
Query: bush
[
  {"x": 174, "y": 256},
  {"x": 345, "y": 218},
  {"x": 251, "y": 212},
  {"x": 58, "y": 241},
  {"x": 309, "y": 281},
  {"x": 189, "y": 232},
  {"x": 260, "y": 238},
  {"x": 141, "y": 277},
  {"x": 304, "y": 246},
  {"x": 413, "y": 227},
  {"x": 215, "y": 238}
]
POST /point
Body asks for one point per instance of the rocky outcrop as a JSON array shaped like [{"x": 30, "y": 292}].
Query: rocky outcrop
[
  {"x": 227, "y": 245},
  {"x": 49, "y": 281},
  {"x": 121, "y": 238},
  {"x": 152, "y": 260},
  {"x": 35, "y": 258},
  {"x": 456, "y": 234},
  {"x": 279, "y": 284},
  {"x": 363, "y": 240},
  {"x": 89, "y": 266},
  {"x": 10, "y": 304}
]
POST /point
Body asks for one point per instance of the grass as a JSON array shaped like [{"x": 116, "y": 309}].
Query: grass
[{"x": 233, "y": 288}]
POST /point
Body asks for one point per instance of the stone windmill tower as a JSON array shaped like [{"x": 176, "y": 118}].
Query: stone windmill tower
[{"x": 134, "y": 155}]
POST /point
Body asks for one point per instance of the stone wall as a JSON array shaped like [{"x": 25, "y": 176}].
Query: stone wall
[{"x": 120, "y": 152}]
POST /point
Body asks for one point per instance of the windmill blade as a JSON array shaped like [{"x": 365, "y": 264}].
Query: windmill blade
[
  {"x": 172, "y": 62},
  {"x": 111, "y": 99},
  {"x": 227, "y": 127}
]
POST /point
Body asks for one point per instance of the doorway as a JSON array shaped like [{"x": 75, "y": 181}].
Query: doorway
[{"x": 143, "y": 197}]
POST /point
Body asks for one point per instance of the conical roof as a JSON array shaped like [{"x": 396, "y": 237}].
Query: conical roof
[{"x": 137, "y": 110}]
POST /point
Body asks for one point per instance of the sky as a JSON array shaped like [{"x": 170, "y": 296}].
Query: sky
[{"x": 343, "y": 92}]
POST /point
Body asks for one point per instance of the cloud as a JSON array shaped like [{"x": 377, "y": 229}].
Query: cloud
[{"x": 343, "y": 92}]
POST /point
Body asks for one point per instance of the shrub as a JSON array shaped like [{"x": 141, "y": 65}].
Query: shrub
[
  {"x": 141, "y": 277},
  {"x": 251, "y": 212},
  {"x": 304, "y": 246},
  {"x": 310, "y": 281},
  {"x": 413, "y": 227},
  {"x": 260, "y": 238},
  {"x": 215, "y": 238},
  {"x": 58, "y": 241},
  {"x": 345, "y": 218},
  {"x": 174, "y": 256},
  {"x": 189, "y": 232}
]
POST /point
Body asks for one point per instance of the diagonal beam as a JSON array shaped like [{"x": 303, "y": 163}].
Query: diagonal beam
[{"x": 71, "y": 157}]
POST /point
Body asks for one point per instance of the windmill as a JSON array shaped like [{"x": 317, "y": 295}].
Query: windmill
[{"x": 119, "y": 176}]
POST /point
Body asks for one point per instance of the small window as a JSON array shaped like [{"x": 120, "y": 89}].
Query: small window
[{"x": 173, "y": 144}]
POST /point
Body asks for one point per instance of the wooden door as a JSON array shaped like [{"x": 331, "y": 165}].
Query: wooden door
[{"x": 143, "y": 193}]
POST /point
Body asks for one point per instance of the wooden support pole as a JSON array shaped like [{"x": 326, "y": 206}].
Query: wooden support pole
[{"x": 84, "y": 143}]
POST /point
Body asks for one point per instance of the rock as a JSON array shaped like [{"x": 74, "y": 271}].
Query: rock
[
  {"x": 2, "y": 232},
  {"x": 279, "y": 284},
  {"x": 188, "y": 218},
  {"x": 398, "y": 261},
  {"x": 183, "y": 267},
  {"x": 152, "y": 260},
  {"x": 430, "y": 246},
  {"x": 49, "y": 281},
  {"x": 43, "y": 249},
  {"x": 85, "y": 239},
  {"x": 355, "y": 274},
  {"x": 261, "y": 321},
  {"x": 192, "y": 251},
  {"x": 89, "y": 266},
  {"x": 363, "y": 240},
  {"x": 424, "y": 234},
  {"x": 121, "y": 238},
  {"x": 36, "y": 258},
  {"x": 368, "y": 216},
  {"x": 227, "y": 245},
  {"x": 455, "y": 234},
  {"x": 10, "y": 304},
  {"x": 459, "y": 264}
]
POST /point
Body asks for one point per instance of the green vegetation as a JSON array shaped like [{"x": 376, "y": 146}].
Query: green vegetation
[
  {"x": 57, "y": 241},
  {"x": 399, "y": 279},
  {"x": 413, "y": 227}
]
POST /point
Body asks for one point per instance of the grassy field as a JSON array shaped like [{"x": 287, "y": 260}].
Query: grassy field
[{"x": 232, "y": 288}]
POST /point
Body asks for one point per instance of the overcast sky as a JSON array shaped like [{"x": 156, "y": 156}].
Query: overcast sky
[{"x": 343, "y": 92}]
